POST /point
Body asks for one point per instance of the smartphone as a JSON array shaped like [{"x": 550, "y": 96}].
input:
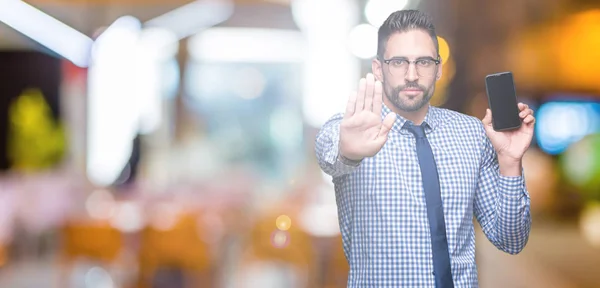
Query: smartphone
[{"x": 502, "y": 100}]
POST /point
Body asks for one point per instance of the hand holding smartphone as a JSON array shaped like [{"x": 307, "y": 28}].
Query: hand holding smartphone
[{"x": 502, "y": 100}]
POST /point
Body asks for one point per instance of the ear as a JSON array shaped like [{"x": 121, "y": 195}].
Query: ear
[{"x": 377, "y": 68}]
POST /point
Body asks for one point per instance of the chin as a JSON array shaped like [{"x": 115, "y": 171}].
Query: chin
[
  {"x": 411, "y": 101},
  {"x": 411, "y": 104},
  {"x": 411, "y": 108},
  {"x": 408, "y": 107}
]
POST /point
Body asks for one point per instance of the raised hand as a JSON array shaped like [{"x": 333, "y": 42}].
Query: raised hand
[
  {"x": 511, "y": 145},
  {"x": 362, "y": 132}
]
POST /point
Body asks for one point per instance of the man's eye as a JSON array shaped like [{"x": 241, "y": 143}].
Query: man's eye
[{"x": 398, "y": 62}]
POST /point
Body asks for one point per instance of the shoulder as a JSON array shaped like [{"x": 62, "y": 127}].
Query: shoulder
[
  {"x": 459, "y": 121},
  {"x": 332, "y": 122}
]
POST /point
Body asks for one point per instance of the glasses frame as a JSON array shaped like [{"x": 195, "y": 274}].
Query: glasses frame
[{"x": 437, "y": 62}]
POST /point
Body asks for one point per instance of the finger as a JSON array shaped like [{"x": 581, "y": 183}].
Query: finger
[
  {"x": 351, "y": 105},
  {"x": 529, "y": 119},
  {"x": 360, "y": 96},
  {"x": 525, "y": 112},
  {"x": 523, "y": 106},
  {"x": 487, "y": 120},
  {"x": 378, "y": 98},
  {"x": 387, "y": 124},
  {"x": 369, "y": 92}
]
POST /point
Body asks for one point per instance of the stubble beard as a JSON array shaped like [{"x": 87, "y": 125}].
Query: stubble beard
[{"x": 393, "y": 94}]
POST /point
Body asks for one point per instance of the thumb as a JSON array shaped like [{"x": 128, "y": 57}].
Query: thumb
[
  {"x": 387, "y": 124},
  {"x": 487, "y": 120}
]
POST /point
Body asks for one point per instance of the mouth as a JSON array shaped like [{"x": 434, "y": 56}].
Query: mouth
[{"x": 412, "y": 92}]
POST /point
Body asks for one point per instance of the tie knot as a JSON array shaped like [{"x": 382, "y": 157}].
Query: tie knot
[{"x": 417, "y": 130}]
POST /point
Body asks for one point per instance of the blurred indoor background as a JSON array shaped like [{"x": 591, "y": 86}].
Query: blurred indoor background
[{"x": 169, "y": 143}]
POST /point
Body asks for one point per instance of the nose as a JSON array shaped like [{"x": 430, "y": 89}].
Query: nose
[{"x": 411, "y": 73}]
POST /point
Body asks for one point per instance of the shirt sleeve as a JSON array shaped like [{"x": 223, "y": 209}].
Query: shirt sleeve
[
  {"x": 327, "y": 149},
  {"x": 502, "y": 204}
]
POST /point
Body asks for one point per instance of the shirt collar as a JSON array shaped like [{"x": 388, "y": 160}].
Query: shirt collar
[{"x": 431, "y": 120}]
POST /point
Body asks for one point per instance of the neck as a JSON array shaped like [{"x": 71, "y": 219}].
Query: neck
[{"x": 417, "y": 117}]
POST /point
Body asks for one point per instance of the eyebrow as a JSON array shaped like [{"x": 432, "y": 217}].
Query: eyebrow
[{"x": 418, "y": 58}]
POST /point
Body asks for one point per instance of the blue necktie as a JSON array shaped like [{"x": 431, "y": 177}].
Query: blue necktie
[{"x": 435, "y": 212}]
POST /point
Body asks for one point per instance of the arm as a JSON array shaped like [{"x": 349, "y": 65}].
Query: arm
[
  {"x": 502, "y": 202},
  {"x": 327, "y": 149},
  {"x": 356, "y": 134}
]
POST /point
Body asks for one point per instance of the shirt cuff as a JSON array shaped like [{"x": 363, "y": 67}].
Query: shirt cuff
[
  {"x": 333, "y": 159},
  {"x": 512, "y": 186}
]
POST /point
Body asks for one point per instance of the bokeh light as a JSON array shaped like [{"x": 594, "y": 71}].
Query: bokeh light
[
  {"x": 362, "y": 41},
  {"x": 377, "y": 11},
  {"x": 579, "y": 35},
  {"x": 283, "y": 222},
  {"x": 590, "y": 224},
  {"x": 128, "y": 217},
  {"x": 440, "y": 94},
  {"x": 100, "y": 204},
  {"x": 98, "y": 277},
  {"x": 564, "y": 46},
  {"x": 250, "y": 83},
  {"x": 581, "y": 165},
  {"x": 444, "y": 49},
  {"x": 561, "y": 123},
  {"x": 280, "y": 239},
  {"x": 164, "y": 216}
]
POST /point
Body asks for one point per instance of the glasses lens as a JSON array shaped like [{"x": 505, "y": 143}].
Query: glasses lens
[
  {"x": 424, "y": 68},
  {"x": 428, "y": 71}
]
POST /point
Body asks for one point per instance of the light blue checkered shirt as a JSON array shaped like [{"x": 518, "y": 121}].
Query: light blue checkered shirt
[{"x": 381, "y": 205}]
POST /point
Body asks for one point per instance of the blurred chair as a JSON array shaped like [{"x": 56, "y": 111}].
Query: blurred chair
[
  {"x": 95, "y": 241},
  {"x": 178, "y": 248}
]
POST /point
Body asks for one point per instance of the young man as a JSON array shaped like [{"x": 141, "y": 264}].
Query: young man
[{"x": 409, "y": 176}]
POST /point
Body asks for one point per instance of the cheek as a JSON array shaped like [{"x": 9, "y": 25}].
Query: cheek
[
  {"x": 390, "y": 87},
  {"x": 393, "y": 82},
  {"x": 428, "y": 82}
]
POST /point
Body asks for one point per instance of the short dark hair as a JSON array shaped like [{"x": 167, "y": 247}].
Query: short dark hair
[{"x": 403, "y": 21}]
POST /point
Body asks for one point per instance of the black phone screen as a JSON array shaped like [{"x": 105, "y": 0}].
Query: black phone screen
[{"x": 502, "y": 99}]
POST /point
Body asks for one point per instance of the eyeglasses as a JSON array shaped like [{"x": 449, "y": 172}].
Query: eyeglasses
[{"x": 425, "y": 66}]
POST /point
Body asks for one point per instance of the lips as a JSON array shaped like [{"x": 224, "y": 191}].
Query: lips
[{"x": 411, "y": 91}]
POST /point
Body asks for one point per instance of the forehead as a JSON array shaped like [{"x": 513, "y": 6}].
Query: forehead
[{"x": 413, "y": 43}]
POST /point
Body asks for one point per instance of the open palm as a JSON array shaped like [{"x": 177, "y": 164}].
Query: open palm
[
  {"x": 362, "y": 131},
  {"x": 513, "y": 143}
]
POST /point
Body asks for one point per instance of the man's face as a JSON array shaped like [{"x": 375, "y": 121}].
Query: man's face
[{"x": 411, "y": 90}]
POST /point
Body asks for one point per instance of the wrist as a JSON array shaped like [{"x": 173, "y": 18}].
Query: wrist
[
  {"x": 348, "y": 161},
  {"x": 510, "y": 167}
]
